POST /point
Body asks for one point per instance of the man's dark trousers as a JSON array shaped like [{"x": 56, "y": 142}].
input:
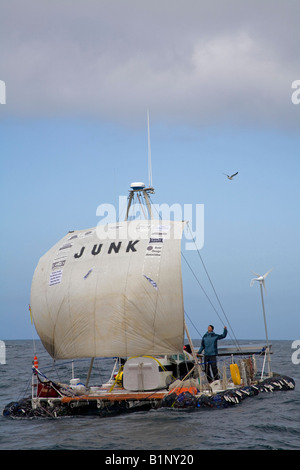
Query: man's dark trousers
[{"x": 211, "y": 369}]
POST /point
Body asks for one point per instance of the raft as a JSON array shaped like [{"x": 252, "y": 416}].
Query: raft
[{"x": 108, "y": 404}]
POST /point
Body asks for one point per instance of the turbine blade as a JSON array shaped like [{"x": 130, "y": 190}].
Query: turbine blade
[
  {"x": 258, "y": 275},
  {"x": 265, "y": 275}
]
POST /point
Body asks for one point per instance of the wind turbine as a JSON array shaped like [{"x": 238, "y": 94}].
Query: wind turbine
[{"x": 261, "y": 280}]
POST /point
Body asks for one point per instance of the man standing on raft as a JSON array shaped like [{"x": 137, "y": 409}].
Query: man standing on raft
[{"x": 210, "y": 347}]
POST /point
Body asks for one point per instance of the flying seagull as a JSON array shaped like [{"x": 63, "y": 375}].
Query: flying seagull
[{"x": 230, "y": 177}]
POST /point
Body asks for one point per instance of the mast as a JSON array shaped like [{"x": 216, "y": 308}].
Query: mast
[
  {"x": 197, "y": 365},
  {"x": 261, "y": 280},
  {"x": 266, "y": 331},
  {"x": 149, "y": 151},
  {"x": 139, "y": 189}
]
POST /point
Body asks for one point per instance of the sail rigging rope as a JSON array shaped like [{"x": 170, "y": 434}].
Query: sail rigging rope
[
  {"x": 210, "y": 281},
  {"x": 213, "y": 288},
  {"x": 190, "y": 320},
  {"x": 206, "y": 272},
  {"x": 215, "y": 310}
]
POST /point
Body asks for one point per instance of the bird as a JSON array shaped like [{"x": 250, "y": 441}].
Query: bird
[{"x": 230, "y": 177}]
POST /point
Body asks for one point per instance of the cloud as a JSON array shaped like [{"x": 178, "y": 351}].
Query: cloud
[{"x": 195, "y": 61}]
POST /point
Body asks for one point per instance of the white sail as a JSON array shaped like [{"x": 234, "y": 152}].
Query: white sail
[{"x": 114, "y": 290}]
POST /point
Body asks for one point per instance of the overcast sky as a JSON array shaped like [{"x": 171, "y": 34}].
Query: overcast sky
[
  {"x": 217, "y": 77},
  {"x": 190, "y": 61}
]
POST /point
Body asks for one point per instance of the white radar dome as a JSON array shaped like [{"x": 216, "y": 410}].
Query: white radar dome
[{"x": 137, "y": 185}]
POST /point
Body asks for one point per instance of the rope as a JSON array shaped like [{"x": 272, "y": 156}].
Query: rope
[
  {"x": 214, "y": 290},
  {"x": 155, "y": 358},
  {"x": 184, "y": 378},
  {"x": 199, "y": 284},
  {"x": 117, "y": 379},
  {"x": 211, "y": 283},
  {"x": 192, "y": 324}
]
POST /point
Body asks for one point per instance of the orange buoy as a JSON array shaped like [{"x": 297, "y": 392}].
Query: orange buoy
[{"x": 35, "y": 362}]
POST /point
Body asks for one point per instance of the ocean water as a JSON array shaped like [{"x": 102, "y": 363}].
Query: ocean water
[{"x": 264, "y": 422}]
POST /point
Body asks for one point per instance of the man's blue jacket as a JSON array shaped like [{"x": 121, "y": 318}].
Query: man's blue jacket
[{"x": 209, "y": 343}]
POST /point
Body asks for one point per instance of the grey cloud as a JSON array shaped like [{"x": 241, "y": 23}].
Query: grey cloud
[{"x": 195, "y": 61}]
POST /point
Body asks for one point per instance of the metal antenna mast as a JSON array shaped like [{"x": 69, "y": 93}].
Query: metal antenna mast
[{"x": 139, "y": 189}]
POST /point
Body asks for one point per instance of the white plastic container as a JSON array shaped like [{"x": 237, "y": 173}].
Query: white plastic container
[{"x": 147, "y": 373}]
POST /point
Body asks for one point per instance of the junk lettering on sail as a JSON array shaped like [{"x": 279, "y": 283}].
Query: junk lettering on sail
[{"x": 112, "y": 248}]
